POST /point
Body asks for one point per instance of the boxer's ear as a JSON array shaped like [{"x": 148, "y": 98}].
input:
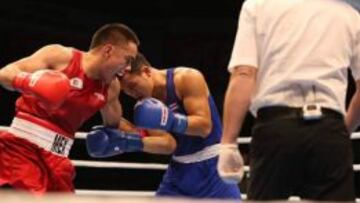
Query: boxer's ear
[
  {"x": 147, "y": 70},
  {"x": 107, "y": 50}
]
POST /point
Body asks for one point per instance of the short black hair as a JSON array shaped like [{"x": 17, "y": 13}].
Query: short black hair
[
  {"x": 139, "y": 61},
  {"x": 113, "y": 33}
]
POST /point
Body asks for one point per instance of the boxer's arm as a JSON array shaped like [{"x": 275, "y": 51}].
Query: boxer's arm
[
  {"x": 127, "y": 126},
  {"x": 159, "y": 142},
  {"x": 193, "y": 90},
  {"x": 106, "y": 142},
  {"x": 112, "y": 111},
  {"x": 156, "y": 141},
  {"x": 48, "y": 57}
]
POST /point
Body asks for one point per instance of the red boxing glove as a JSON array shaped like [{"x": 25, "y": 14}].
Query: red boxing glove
[{"x": 50, "y": 87}]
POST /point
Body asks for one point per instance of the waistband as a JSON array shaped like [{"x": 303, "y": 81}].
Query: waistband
[
  {"x": 45, "y": 138},
  {"x": 44, "y": 123},
  {"x": 284, "y": 112},
  {"x": 202, "y": 155}
]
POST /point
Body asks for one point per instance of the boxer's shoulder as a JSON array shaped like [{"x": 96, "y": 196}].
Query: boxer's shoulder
[
  {"x": 58, "y": 51},
  {"x": 184, "y": 74},
  {"x": 56, "y": 55},
  {"x": 185, "y": 78}
]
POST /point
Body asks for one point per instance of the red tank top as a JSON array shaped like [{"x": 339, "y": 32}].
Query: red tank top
[{"x": 86, "y": 98}]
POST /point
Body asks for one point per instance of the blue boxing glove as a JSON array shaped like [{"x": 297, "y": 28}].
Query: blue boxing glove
[
  {"x": 151, "y": 113},
  {"x": 105, "y": 142}
]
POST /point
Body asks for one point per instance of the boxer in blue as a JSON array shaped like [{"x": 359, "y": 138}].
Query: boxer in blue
[{"x": 175, "y": 101}]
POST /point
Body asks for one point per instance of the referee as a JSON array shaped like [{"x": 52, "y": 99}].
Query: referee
[{"x": 289, "y": 67}]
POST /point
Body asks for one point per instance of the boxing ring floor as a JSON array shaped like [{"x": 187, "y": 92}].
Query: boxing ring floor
[{"x": 19, "y": 197}]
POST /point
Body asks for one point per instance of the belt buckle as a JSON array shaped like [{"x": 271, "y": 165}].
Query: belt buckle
[{"x": 311, "y": 112}]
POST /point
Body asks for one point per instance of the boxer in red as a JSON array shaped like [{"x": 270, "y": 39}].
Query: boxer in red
[{"x": 61, "y": 88}]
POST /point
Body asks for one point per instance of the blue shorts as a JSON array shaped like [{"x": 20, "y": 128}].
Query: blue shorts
[{"x": 198, "y": 180}]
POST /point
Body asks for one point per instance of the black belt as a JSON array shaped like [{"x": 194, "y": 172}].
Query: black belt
[{"x": 278, "y": 112}]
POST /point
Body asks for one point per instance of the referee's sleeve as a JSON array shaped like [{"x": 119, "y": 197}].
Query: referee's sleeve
[{"x": 245, "y": 47}]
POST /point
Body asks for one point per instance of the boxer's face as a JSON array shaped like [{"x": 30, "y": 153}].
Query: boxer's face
[
  {"x": 138, "y": 85},
  {"x": 118, "y": 59}
]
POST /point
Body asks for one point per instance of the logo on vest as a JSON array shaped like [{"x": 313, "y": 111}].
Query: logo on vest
[
  {"x": 173, "y": 106},
  {"x": 59, "y": 144},
  {"x": 76, "y": 83}
]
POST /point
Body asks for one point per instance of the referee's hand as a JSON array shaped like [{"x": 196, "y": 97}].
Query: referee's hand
[{"x": 231, "y": 164}]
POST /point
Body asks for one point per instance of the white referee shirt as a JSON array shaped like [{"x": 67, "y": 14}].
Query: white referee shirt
[{"x": 301, "y": 48}]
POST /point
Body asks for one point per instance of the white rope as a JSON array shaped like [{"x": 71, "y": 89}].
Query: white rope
[
  {"x": 115, "y": 193},
  {"x": 240, "y": 140},
  {"x": 80, "y": 135},
  {"x": 124, "y": 165},
  {"x": 243, "y": 140},
  {"x": 122, "y": 193},
  {"x": 355, "y": 136},
  {"x": 247, "y": 140},
  {"x": 149, "y": 166},
  {"x": 154, "y": 166},
  {"x": 118, "y": 165},
  {"x": 356, "y": 167}
]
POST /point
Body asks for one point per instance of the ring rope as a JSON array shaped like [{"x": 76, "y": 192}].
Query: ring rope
[
  {"x": 154, "y": 166},
  {"x": 240, "y": 140},
  {"x": 151, "y": 166}
]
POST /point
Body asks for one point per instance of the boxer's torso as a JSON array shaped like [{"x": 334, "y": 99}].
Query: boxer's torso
[
  {"x": 85, "y": 99},
  {"x": 190, "y": 144}
]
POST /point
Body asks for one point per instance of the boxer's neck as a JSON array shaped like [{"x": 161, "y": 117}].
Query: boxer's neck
[
  {"x": 159, "y": 80},
  {"x": 88, "y": 64}
]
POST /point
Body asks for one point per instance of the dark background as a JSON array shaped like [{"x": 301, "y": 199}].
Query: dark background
[{"x": 195, "y": 33}]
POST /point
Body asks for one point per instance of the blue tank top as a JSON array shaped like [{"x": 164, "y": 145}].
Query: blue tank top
[{"x": 188, "y": 144}]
